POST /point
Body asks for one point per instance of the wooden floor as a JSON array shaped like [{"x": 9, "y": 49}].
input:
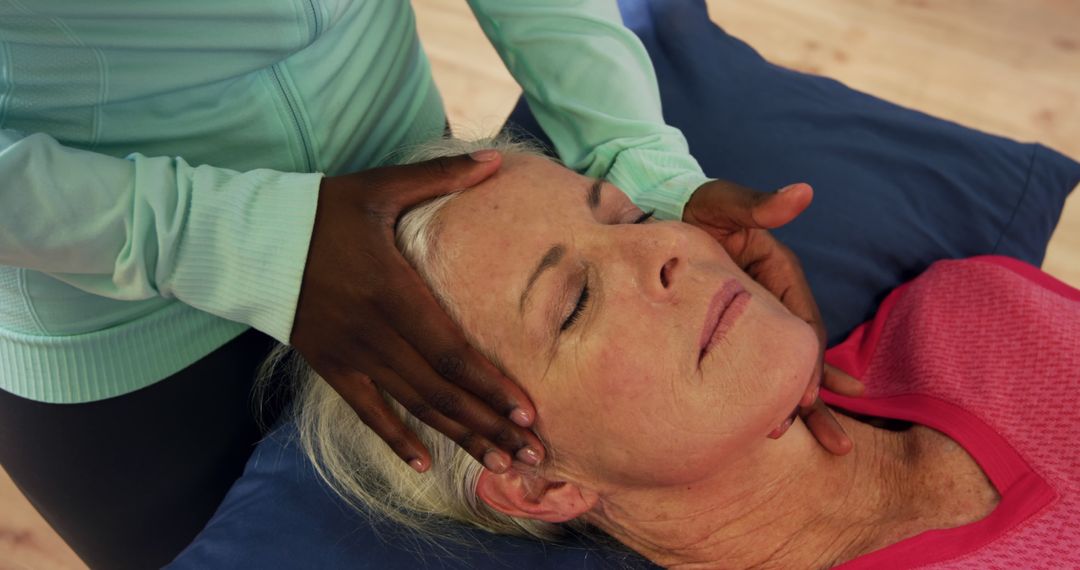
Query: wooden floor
[{"x": 1010, "y": 67}]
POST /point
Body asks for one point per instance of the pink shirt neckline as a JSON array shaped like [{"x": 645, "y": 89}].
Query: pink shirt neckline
[{"x": 1023, "y": 491}]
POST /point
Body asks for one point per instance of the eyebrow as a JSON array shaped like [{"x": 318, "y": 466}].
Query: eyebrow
[{"x": 550, "y": 259}]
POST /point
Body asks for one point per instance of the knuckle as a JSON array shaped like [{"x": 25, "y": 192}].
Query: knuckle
[
  {"x": 467, "y": 441},
  {"x": 499, "y": 401},
  {"x": 422, "y": 411},
  {"x": 441, "y": 166},
  {"x": 379, "y": 216},
  {"x": 505, "y": 437},
  {"x": 365, "y": 382},
  {"x": 396, "y": 297},
  {"x": 788, "y": 256},
  {"x": 449, "y": 403},
  {"x": 450, "y": 366}
]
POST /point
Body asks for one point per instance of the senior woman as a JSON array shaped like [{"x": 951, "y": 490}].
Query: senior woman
[{"x": 666, "y": 383}]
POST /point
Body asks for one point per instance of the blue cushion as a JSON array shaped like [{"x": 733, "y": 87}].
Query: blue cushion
[
  {"x": 894, "y": 191},
  {"x": 280, "y": 515}
]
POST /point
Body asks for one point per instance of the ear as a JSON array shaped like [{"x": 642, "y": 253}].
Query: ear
[{"x": 527, "y": 495}]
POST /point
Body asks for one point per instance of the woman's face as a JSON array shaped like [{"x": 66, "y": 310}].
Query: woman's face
[{"x": 621, "y": 389}]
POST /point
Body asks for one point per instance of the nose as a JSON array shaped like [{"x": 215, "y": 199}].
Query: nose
[{"x": 658, "y": 257}]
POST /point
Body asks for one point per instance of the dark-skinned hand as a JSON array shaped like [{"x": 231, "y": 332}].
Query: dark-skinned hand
[
  {"x": 365, "y": 320},
  {"x": 739, "y": 218}
]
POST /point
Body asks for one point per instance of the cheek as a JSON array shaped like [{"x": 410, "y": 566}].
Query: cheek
[
  {"x": 654, "y": 421},
  {"x": 778, "y": 369},
  {"x": 622, "y": 378},
  {"x": 628, "y": 410},
  {"x": 609, "y": 415}
]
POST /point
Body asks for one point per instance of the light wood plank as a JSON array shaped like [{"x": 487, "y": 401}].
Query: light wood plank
[{"x": 27, "y": 542}]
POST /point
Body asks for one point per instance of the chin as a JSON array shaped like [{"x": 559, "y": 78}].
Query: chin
[{"x": 797, "y": 371}]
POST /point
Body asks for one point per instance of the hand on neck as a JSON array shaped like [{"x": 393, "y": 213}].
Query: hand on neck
[{"x": 787, "y": 504}]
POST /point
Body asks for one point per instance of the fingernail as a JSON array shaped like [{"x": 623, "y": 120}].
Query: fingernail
[
  {"x": 528, "y": 456},
  {"x": 786, "y": 188},
  {"x": 781, "y": 429},
  {"x": 417, "y": 465},
  {"x": 495, "y": 462},
  {"x": 521, "y": 417},
  {"x": 486, "y": 155},
  {"x": 812, "y": 397},
  {"x": 807, "y": 399}
]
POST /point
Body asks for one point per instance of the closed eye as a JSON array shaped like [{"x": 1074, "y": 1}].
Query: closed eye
[
  {"x": 582, "y": 302},
  {"x": 644, "y": 217},
  {"x": 583, "y": 297}
]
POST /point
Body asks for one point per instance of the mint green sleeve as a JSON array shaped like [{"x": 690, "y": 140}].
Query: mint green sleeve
[
  {"x": 230, "y": 243},
  {"x": 591, "y": 86}
]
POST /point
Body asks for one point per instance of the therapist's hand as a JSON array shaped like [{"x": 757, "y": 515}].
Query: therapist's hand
[
  {"x": 739, "y": 218},
  {"x": 365, "y": 320}
]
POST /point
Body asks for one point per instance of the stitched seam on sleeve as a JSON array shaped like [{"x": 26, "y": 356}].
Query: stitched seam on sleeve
[{"x": 24, "y": 292}]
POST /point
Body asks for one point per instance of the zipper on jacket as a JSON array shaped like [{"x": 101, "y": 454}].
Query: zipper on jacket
[{"x": 286, "y": 93}]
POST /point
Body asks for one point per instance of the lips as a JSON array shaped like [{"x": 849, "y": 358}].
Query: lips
[{"x": 724, "y": 309}]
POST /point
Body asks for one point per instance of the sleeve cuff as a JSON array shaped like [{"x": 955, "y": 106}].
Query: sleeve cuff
[
  {"x": 658, "y": 181},
  {"x": 245, "y": 247}
]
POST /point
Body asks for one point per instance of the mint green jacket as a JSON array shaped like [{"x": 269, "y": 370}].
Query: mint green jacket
[{"x": 160, "y": 161}]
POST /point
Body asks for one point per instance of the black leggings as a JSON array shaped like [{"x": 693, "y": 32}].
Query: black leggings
[{"x": 129, "y": 481}]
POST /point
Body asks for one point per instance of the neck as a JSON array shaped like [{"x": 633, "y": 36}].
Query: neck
[{"x": 788, "y": 504}]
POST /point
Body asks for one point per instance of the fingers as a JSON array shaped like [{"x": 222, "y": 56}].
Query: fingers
[
  {"x": 413, "y": 183},
  {"x": 782, "y": 206},
  {"x": 362, "y": 308},
  {"x": 723, "y": 205},
  {"x": 463, "y": 417},
  {"x": 361, "y": 393},
  {"x": 433, "y": 357},
  {"x": 823, "y": 425},
  {"x": 437, "y": 409},
  {"x": 428, "y": 366},
  {"x": 777, "y": 268},
  {"x": 836, "y": 380},
  {"x": 492, "y": 439},
  {"x": 421, "y": 321},
  {"x": 727, "y": 207},
  {"x": 814, "y": 387}
]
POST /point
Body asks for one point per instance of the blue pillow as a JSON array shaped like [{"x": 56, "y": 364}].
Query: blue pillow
[
  {"x": 895, "y": 190},
  {"x": 279, "y": 514}
]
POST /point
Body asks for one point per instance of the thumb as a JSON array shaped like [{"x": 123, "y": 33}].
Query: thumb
[
  {"x": 423, "y": 180},
  {"x": 783, "y": 205}
]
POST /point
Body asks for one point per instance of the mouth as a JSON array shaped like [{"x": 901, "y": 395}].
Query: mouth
[
  {"x": 784, "y": 425},
  {"x": 725, "y": 308}
]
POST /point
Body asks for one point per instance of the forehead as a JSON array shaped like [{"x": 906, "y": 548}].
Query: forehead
[
  {"x": 493, "y": 235},
  {"x": 521, "y": 182}
]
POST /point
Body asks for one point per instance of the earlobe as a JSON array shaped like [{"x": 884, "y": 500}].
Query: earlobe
[{"x": 530, "y": 496}]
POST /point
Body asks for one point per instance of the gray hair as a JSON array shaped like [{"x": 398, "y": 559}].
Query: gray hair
[{"x": 352, "y": 459}]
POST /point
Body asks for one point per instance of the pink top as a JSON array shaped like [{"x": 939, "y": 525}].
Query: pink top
[{"x": 987, "y": 351}]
